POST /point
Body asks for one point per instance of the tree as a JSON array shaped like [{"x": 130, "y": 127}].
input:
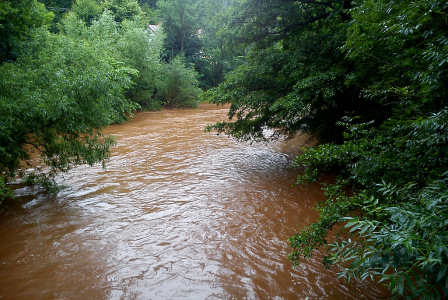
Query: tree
[
  {"x": 181, "y": 26},
  {"x": 87, "y": 10},
  {"x": 399, "y": 179},
  {"x": 179, "y": 85},
  {"x": 413, "y": 46},
  {"x": 368, "y": 79},
  {"x": 17, "y": 19},
  {"x": 151, "y": 3},
  {"x": 218, "y": 56},
  {"x": 124, "y": 9},
  {"x": 397, "y": 167},
  {"x": 59, "y": 8},
  {"x": 197, "y": 28},
  {"x": 137, "y": 47},
  {"x": 152, "y": 13},
  {"x": 58, "y": 96},
  {"x": 141, "y": 49},
  {"x": 295, "y": 73}
]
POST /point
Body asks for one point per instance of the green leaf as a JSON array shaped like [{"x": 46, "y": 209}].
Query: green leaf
[{"x": 442, "y": 272}]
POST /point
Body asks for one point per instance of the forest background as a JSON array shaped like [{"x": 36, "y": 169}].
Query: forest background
[{"x": 367, "y": 79}]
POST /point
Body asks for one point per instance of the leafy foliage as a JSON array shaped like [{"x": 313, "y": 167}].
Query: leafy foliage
[
  {"x": 369, "y": 80},
  {"x": 87, "y": 10},
  {"x": 5, "y": 192},
  {"x": 17, "y": 19},
  {"x": 181, "y": 26},
  {"x": 124, "y": 9},
  {"x": 197, "y": 29},
  {"x": 61, "y": 92},
  {"x": 295, "y": 72},
  {"x": 403, "y": 33},
  {"x": 141, "y": 50},
  {"x": 409, "y": 249},
  {"x": 132, "y": 44},
  {"x": 179, "y": 85},
  {"x": 65, "y": 87}
]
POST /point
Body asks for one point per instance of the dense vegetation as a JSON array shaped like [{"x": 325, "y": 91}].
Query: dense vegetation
[
  {"x": 62, "y": 81},
  {"x": 368, "y": 79},
  {"x": 197, "y": 30}
]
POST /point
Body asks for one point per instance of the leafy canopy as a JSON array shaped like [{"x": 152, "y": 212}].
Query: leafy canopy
[
  {"x": 368, "y": 79},
  {"x": 295, "y": 72},
  {"x": 17, "y": 19},
  {"x": 179, "y": 85},
  {"x": 65, "y": 88}
]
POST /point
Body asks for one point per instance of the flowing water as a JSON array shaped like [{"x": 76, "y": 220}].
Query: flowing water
[{"x": 177, "y": 214}]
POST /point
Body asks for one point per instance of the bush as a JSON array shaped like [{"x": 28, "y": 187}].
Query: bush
[
  {"x": 402, "y": 204},
  {"x": 58, "y": 96},
  {"x": 179, "y": 85}
]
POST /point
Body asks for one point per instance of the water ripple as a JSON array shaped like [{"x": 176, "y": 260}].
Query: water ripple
[{"x": 177, "y": 214}]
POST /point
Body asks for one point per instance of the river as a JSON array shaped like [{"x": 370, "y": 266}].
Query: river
[{"x": 177, "y": 214}]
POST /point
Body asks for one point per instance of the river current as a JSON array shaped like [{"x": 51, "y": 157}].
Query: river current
[{"x": 177, "y": 214}]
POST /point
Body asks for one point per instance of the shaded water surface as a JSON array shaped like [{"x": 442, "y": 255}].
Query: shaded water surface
[{"x": 177, "y": 214}]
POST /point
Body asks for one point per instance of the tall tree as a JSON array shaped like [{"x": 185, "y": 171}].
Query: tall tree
[
  {"x": 400, "y": 53},
  {"x": 87, "y": 10},
  {"x": 295, "y": 73},
  {"x": 17, "y": 19},
  {"x": 219, "y": 57},
  {"x": 180, "y": 22},
  {"x": 55, "y": 100},
  {"x": 179, "y": 84}
]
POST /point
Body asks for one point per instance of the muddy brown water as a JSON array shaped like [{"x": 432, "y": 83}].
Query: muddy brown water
[{"x": 177, "y": 214}]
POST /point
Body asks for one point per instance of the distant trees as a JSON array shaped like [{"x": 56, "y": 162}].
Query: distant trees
[
  {"x": 219, "y": 51},
  {"x": 58, "y": 8},
  {"x": 368, "y": 79},
  {"x": 123, "y": 9},
  {"x": 87, "y": 10},
  {"x": 196, "y": 28},
  {"x": 181, "y": 25},
  {"x": 58, "y": 90}
]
